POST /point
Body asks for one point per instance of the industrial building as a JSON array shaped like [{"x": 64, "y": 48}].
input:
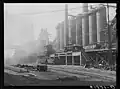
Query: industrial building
[
  {"x": 88, "y": 30},
  {"x": 43, "y": 37}
]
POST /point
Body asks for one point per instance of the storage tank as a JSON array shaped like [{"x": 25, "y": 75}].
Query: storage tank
[
  {"x": 104, "y": 24},
  {"x": 92, "y": 26},
  {"x": 79, "y": 29},
  {"x": 85, "y": 25},
  {"x": 85, "y": 29},
  {"x": 101, "y": 23},
  {"x": 73, "y": 30}
]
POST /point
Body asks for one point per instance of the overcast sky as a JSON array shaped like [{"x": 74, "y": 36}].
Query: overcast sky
[{"x": 30, "y": 12}]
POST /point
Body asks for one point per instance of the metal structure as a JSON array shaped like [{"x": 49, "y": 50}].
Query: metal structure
[{"x": 92, "y": 49}]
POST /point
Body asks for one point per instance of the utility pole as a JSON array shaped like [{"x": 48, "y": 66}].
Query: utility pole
[{"x": 109, "y": 39}]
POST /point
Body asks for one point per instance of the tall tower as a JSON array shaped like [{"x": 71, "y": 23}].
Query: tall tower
[
  {"x": 66, "y": 37},
  {"x": 101, "y": 23},
  {"x": 85, "y": 25},
  {"x": 92, "y": 27},
  {"x": 58, "y": 36},
  {"x": 85, "y": 7},
  {"x": 79, "y": 30},
  {"x": 70, "y": 28}
]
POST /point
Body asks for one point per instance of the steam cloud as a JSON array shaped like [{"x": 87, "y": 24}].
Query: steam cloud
[{"x": 24, "y": 53}]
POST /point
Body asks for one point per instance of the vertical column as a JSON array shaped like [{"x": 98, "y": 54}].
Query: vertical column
[
  {"x": 73, "y": 30},
  {"x": 85, "y": 7},
  {"x": 92, "y": 27},
  {"x": 80, "y": 58},
  {"x": 58, "y": 37},
  {"x": 85, "y": 25},
  {"x": 85, "y": 29},
  {"x": 72, "y": 60},
  {"x": 61, "y": 36},
  {"x": 66, "y": 58},
  {"x": 79, "y": 30},
  {"x": 66, "y": 26},
  {"x": 104, "y": 23},
  {"x": 100, "y": 23},
  {"x": 70, "y": 25},
  {"x": 104, "y": 17}
]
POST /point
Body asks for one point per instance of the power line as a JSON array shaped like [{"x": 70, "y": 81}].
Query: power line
[
  {"x": 60, "y": 10},
  {"x": 49, "y": 11}
]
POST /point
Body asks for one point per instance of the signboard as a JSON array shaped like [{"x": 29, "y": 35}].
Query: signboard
[{"x": 76, "y": 53}]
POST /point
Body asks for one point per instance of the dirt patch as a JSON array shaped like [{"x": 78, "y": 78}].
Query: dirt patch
[{"x": 28, "y": 81}]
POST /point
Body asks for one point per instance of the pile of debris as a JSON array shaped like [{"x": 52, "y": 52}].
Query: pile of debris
[{"x": 38, "y": 67}]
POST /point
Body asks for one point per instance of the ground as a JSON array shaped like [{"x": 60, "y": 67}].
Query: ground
[
  {"x": 48, "y": 79},
  {"x": 27, "y": 81}
]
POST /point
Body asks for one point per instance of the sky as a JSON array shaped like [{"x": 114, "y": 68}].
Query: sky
[
  {"x": 21, "y": 20},
  {"x": 25, "y": 16}
]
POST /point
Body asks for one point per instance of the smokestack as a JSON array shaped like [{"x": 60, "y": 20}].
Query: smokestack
[
  {"x": 79, "y": 30},
  {"x": 61, "y": 39},
  {"x": 92, "y": 27},
  {"x": 66, "y": 26},
  {"x": 62, "y": 28},
  {"x": 58, "y": 36},
  {"x": 73, "y": 30},
  {"x": 70, "y": 25},
  {"x": 85, "y": 25},
  {"x": 85, "y": 7},
  {"x": 101, "y": 23}
]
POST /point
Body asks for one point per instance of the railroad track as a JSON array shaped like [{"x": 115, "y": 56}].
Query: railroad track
[{"x": 83, "y": 73}]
